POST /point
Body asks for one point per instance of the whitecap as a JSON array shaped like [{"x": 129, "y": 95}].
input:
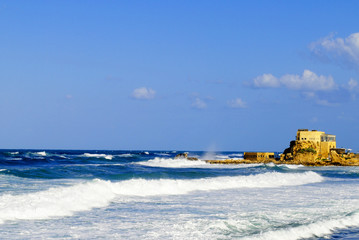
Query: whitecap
[
  {"x": 237, "y": 155},
  {"x": 142, "y": 187},
  {"x": 43, "y": 153},
  {"x": 65, "y": 201},
  {"x": 163, "y": 154},
  {"x": 94, "y": 155},
  {"x": 172, "y": 163},
  {"x": 292, "y": 166},
  {"x": 270, "y": 164},
  {"x": 14, "y": 159},
  {"x": 126, "y": 155},
  {"x": 313, "y": 230}
]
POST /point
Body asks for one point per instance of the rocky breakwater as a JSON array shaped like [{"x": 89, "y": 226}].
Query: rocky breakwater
[{"x": 185, "y": 156}]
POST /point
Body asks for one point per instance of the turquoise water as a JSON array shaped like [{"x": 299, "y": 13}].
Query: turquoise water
[{"x": 54, "y": 194}]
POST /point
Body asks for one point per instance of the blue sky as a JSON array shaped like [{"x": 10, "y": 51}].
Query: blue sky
[{"x": 179, "y": 75}]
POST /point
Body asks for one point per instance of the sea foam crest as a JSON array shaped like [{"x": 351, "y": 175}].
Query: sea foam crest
[
  {"x": 172, "y": 163},
  {"x": 43, "y": 153},
  {"x": 94, "y": 155},
  {"x": 317, "y": 229},
  {"x": 126, "y": 155},
  {"x": 64, "y": 201}
]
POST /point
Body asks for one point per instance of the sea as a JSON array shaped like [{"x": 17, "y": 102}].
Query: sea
[{"x": 61, "y": 194}]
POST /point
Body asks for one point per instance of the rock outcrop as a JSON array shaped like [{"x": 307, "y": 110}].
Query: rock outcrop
[
  {"x": 301, "y": 150},
  {"x": 185, "y": 155},
  {"x": 306, "y": 153},
  {"x": 181, "y": 155}
]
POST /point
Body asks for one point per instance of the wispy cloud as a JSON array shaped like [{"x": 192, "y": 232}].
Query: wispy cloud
[
  {"x": 325, "y": 99},
  {"x": 237, "y": 103},
  {"x": 307, "y": 81},
  {"x": 342, "y": 51},
  {"x": 143, "y": 93},
  {"x": 352, "y": 85},
  {"x": 326, "y": 103},
  {"x": 322, "y": 90},
  {"x": 199, "y": 103}
]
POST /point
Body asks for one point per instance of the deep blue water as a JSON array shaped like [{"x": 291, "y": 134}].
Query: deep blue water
[{"x": 62, "y": 194}]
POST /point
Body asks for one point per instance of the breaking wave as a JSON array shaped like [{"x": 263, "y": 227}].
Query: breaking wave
[
  {"x": 65, "y": 201},
  {"x": 41, "y": 153},
  {"x": 126, "y": 155},
  {"x": 94, "y": 155},
  {"x": 317, "y": 229},
  {"x": 172, "y": 163}
]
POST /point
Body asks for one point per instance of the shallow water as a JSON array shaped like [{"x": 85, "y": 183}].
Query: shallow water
[{"x": 132, "y": 194}]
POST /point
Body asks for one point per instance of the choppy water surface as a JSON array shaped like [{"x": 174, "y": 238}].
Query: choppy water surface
[{"x": 150, "y": 195}]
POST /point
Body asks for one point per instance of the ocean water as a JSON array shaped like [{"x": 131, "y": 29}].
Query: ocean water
[{"x": 54, "y": 194}]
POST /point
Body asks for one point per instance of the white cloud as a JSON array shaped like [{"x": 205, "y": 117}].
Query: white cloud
[
  {"x": 344, "y": 51},
  {"x": 314, "y": 119},
  {"x": 237, "y": 103},
  {"x": 143, "y": 93},
  {"x": 266, "y": 80},
  {"x": 326, "y": 103},
  {"x": 321, "y": 99},
  {"x": 307, "y": 81},
  {"x": 353, "y": 88},
  {"x": 352, "y": 85},
  {"x": 309, "y": 95},
  {"x": 198, "y": 103}
]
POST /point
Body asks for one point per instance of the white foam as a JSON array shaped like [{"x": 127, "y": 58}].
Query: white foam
[
  {"x": 142, "y": 187},
  {"x": 147, "y": 153},
  {"x": 292, "y": 166},
  {"x": 65, "y": 201},
  {"x": 237, "y": 155},
  {"x": 317, "y": 229},
  {"x": 172, "y": 163},
  {"x": 94, "y": 155},
  {"x": 214, "y": 156},
  {"x": 61, "y": 201},
  {"x": 14, "y": 153},
  {"x": 270, "y": 164},
  {"x": 14, "y": 159},
  {"x": 1, "y": 170},
  {"x": 125, "y": 155},
  {"x": 163, "y": 154},
  {"x": 43, "y": 153}
]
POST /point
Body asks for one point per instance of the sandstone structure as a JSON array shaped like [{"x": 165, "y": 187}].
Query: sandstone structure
[
  {"x": 310, "y": 148},
  {"x": 310, "y": 145},
  {"x": 259, "y": 156},
  {"x": 316, "y": 148},
  {"x": 181, "y": 155}
]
